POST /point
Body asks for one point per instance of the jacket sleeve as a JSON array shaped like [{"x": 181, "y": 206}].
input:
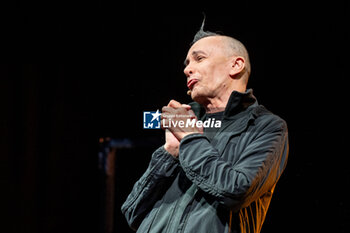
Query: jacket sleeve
[
  {"x": 255, "y": 170},
  {"x": 150, "y": 187}
]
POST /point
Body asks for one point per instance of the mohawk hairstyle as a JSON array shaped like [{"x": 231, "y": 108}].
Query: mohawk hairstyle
[{"x": 202, "y": 34}]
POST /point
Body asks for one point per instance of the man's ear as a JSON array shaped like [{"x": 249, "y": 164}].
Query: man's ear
[{"x": 237, "y": 66}]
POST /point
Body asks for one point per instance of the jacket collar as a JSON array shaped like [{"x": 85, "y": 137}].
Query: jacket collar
[{"x": 238, "y": 102}]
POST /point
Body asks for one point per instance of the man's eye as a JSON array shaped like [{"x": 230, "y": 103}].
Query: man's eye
[{"x": 199, "y": 58}]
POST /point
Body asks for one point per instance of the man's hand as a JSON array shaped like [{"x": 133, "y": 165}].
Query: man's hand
[
  {"x": 171, "y": 143},
  {"x": 174, "y": 119}
]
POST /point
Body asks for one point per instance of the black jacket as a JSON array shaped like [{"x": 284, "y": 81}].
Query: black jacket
[{"x": 223, "y": 185}]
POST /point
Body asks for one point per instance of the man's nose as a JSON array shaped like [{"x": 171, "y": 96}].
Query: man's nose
[{"x": 188, "y": 71}]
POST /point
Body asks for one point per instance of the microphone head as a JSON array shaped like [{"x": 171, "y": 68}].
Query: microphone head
[{"x": 189, "y": 92}]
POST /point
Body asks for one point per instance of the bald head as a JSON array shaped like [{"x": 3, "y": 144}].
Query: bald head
[
  {"x": 233, "y": 47},
  {"x": 215, "y": 66},
  {"x": 236, "y": 48}
]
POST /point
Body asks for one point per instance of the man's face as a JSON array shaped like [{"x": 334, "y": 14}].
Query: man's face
[{"x": 208, "y": 68}]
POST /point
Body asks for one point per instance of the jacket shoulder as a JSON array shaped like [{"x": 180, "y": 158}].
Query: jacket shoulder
[{"x": 266, "y": 118}]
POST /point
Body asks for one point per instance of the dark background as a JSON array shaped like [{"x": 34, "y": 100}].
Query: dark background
[{"x": 84, "y": 70}]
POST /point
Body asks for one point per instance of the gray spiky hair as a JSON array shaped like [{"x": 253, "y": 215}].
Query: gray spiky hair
[{"x": 202, "y": 34}]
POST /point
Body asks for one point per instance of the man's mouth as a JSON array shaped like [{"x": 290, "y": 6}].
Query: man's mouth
[{"x": 191, "y": 83}]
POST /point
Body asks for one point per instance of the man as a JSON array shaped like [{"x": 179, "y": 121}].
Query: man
[{"x": 218, "y": 179}]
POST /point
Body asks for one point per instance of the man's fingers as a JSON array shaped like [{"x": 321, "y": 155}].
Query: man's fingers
[
  {"x": 167, "y": 109},
  {"x": 174, "y": 104},
  {"x": 192, "y": 115},
  {"x": 186, "y": 106},
  {"x": 175, "y": 111}
]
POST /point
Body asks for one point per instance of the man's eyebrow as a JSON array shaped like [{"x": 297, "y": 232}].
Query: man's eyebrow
[{"x": 194, "y": 53}]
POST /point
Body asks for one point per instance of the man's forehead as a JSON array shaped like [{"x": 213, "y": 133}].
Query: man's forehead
[{"x": 205, "y": 44}]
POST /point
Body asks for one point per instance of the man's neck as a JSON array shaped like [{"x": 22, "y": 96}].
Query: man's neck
[{"x": 218, "y": 104}]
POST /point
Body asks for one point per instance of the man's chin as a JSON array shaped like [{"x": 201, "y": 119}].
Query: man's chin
[{"x": 198, "y": 97}]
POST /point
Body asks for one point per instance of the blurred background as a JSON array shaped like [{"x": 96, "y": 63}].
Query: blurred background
[{"x": 79, "y": 76}]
